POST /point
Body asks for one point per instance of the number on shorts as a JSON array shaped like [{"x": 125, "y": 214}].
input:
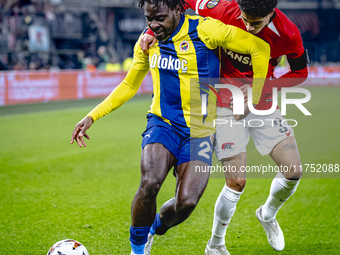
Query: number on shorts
[
  {"x": 205, "y": 150},
  {"x": 282, "y": 129}
]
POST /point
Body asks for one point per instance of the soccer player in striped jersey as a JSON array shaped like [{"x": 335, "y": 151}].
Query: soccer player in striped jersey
[
  {"x": 175, "y": 136},
  {"x": 263, "y": 19}
]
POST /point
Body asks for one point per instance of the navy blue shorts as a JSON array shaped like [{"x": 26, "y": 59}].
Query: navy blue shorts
[{"x": 183, "y": 147}]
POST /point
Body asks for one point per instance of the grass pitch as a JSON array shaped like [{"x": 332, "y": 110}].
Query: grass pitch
[{"x": 51, "y": 190}]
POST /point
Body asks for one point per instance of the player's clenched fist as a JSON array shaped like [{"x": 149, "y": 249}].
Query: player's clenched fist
[{"x": 80, "y": 131}]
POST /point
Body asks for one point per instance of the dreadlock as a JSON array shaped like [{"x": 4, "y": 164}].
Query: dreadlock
[
  {"x": 257, "y": 8},
  {"x": 171, "y": 3}
]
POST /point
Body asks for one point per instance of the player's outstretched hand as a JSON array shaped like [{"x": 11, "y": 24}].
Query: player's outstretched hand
[
  {"x": 147, "y": 42},
  {"x": 80, "y": 131}
]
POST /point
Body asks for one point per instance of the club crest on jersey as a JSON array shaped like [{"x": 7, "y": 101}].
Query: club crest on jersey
[
  {"x": 228, "y": 146},
  {"x": 212, "y": 3},
  {"x": 201, "y": 6},
  {"x": 184, "y": 46}
]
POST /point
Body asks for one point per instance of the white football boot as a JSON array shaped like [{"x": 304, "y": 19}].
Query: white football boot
[
  {"x": 148, "y": 245},
  {"x": 273, "y": 231},
  {"x": 220, "y": 250}
]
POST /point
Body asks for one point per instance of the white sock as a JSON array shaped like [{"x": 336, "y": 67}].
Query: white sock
[
  {"x": 225, "y": 207},
  {"x": 280, "y": 190}
]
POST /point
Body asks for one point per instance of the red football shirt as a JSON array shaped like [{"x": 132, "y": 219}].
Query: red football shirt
[{"x": 282, "y": 35}]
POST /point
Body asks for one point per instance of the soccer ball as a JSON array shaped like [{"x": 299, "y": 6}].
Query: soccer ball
[{"x": 68, "y": 247}]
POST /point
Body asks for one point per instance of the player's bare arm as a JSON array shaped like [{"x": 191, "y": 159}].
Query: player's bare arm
[
  {"x": 121, "y": 94},
  {"x": 80, "y": 129}
]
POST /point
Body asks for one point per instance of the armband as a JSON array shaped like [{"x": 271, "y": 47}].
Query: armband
[{"x": 297, "y": 64}]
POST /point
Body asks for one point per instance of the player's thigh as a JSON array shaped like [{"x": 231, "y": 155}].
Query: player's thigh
[
  {"x": 193, "y": 169},
  {"x": 160, "y": 149},
  {"x": 273, "y": 136},
  {"x": 231, "y": 138},
  {"x": 268, "y": 131},
  {"x": 190, "y": 183},
  {"x": 156, "y": 161},
  {"x": 286, "y": 154}
]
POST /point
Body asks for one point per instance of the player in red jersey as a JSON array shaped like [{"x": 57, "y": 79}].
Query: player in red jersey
[{"x": 263, "y": 19}]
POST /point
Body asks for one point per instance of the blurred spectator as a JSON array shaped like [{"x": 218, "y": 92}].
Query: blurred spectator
[
  {"x": 49, "y": 12},
  {"x": 103, "y": 57},
  {"x": 91, "y": 63},
  {"x": 3, "y": 62},
  {"x": 127, "y": 63},
  {"x": 113, "y": 65},
  {"x": 33, "y": 66},
  {"x": 81, "y": 59}
]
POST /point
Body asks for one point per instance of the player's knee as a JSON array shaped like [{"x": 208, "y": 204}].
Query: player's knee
[
  {"x": 293, "y": 171},
  {"x": 186, "y": 205},
  {"x": 149, "y": 188},
  {"x": 293, "y": 176},
  {"x": 237, "y": 184}
]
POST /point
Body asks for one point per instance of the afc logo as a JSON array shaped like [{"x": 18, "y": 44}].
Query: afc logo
[{"x": 228, "y": 146}]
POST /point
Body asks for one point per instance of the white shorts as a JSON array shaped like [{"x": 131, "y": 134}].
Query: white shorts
[{"x": 232, "y": 136}]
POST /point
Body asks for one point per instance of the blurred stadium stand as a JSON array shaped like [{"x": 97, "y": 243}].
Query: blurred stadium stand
[
  {"x": 98, "y": 36},
  {"x": 67, "y": 34},
  {"x": 309, "y": 4}
]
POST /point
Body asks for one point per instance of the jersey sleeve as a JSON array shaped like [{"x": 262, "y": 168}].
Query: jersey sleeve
[
  {"x": 297, "y": 60},
  {"x": 214, "y": 9},
  {"x": 149, "y": 32},
  {"x": 237, "y": 40},
  {"x": 296, "y": 46},
  {"x": 127, "y": 88}
]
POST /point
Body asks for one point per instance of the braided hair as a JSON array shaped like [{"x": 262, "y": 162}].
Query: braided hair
[{"x": 171, "y": 3}]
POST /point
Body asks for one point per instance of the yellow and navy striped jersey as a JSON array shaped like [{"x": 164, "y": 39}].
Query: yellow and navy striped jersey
[{"x": 177, "y": 64}]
